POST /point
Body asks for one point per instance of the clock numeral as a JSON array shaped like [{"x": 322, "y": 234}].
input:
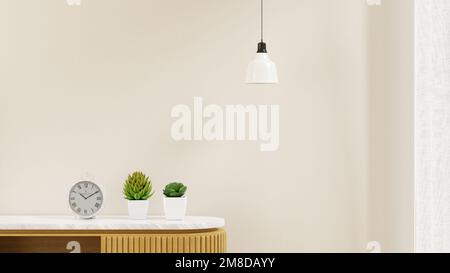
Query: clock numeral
[
  {"x": 85, "y": 211},
  {"x": 74, "y": 204},
  {"x": 97, "y": 205},
  {"x": 99, "y": 198},
  {"x": 72, "y": 198},
  {"x": 86, "y": 185},
  {"x": 79, "y": 187},
  {"x": 78, "y": 209}
]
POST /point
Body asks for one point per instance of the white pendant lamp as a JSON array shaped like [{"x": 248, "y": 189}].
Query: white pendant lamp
[{"x": 262, "y": 70}]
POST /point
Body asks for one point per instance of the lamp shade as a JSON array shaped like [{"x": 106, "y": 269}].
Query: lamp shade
[{"x": 262, "y": 70}]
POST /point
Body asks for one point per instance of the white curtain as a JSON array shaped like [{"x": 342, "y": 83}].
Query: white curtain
[{"x": 432, "y": 212}]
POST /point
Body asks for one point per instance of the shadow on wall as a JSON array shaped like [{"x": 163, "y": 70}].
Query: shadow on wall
[{"x": 391, "y": 123}]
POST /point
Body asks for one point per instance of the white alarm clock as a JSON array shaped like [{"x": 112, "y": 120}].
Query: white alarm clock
[{"x": 86, "y": 199}]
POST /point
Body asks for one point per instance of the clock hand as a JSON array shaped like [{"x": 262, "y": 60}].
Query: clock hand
[
  {"x": 92, "y": 194},
  {"x": 82, "y": 195}
]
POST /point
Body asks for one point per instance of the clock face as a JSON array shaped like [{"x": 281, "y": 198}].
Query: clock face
[{"x": 86, "y": 199}]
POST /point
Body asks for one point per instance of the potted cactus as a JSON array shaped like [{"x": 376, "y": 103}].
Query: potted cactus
[
  {"x": 175, "y": 201},
  {"x": 137, "y": 189}
]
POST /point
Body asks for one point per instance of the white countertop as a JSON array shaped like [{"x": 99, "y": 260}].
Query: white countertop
[{"x": 106, "y": 223}]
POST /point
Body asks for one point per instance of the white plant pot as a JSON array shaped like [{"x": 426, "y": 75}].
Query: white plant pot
[
  {"x": 138, "y": 209},
  {"x": 175, "y": 208}
]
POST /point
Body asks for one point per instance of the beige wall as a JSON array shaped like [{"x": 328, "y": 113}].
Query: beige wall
[
  {"x": 91, "y": 88},
  {"x": 391, "y": 108}
]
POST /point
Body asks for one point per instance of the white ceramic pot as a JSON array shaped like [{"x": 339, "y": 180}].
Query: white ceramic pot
[
  {"x": 138, "y": 209},
  {"x": 175, "y": 207}
]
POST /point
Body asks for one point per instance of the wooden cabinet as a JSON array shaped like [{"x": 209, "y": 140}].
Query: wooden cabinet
[
  {"x": 113, "y": 241},
  {"x": 50, "y": 244},
  {"x": 112, "y": 234}
]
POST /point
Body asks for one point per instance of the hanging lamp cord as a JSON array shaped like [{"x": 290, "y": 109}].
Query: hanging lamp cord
[{"x": 262, "y": 20}]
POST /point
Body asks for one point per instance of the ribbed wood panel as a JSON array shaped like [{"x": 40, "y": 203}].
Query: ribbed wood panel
[{"x": 207, "y": 242}]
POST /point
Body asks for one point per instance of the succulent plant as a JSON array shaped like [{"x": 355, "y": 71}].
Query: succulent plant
[
  {"x": 137, "y": 187},
  {"x": 175, "y": 189}
]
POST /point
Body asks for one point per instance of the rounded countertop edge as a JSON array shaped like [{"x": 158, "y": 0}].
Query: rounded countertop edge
[{"x": 155, "y": 223}]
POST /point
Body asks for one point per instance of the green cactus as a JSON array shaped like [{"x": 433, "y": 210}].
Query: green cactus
[
  {"x": 175, "y": 189},
  {"x": 137, "y": 187}
]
